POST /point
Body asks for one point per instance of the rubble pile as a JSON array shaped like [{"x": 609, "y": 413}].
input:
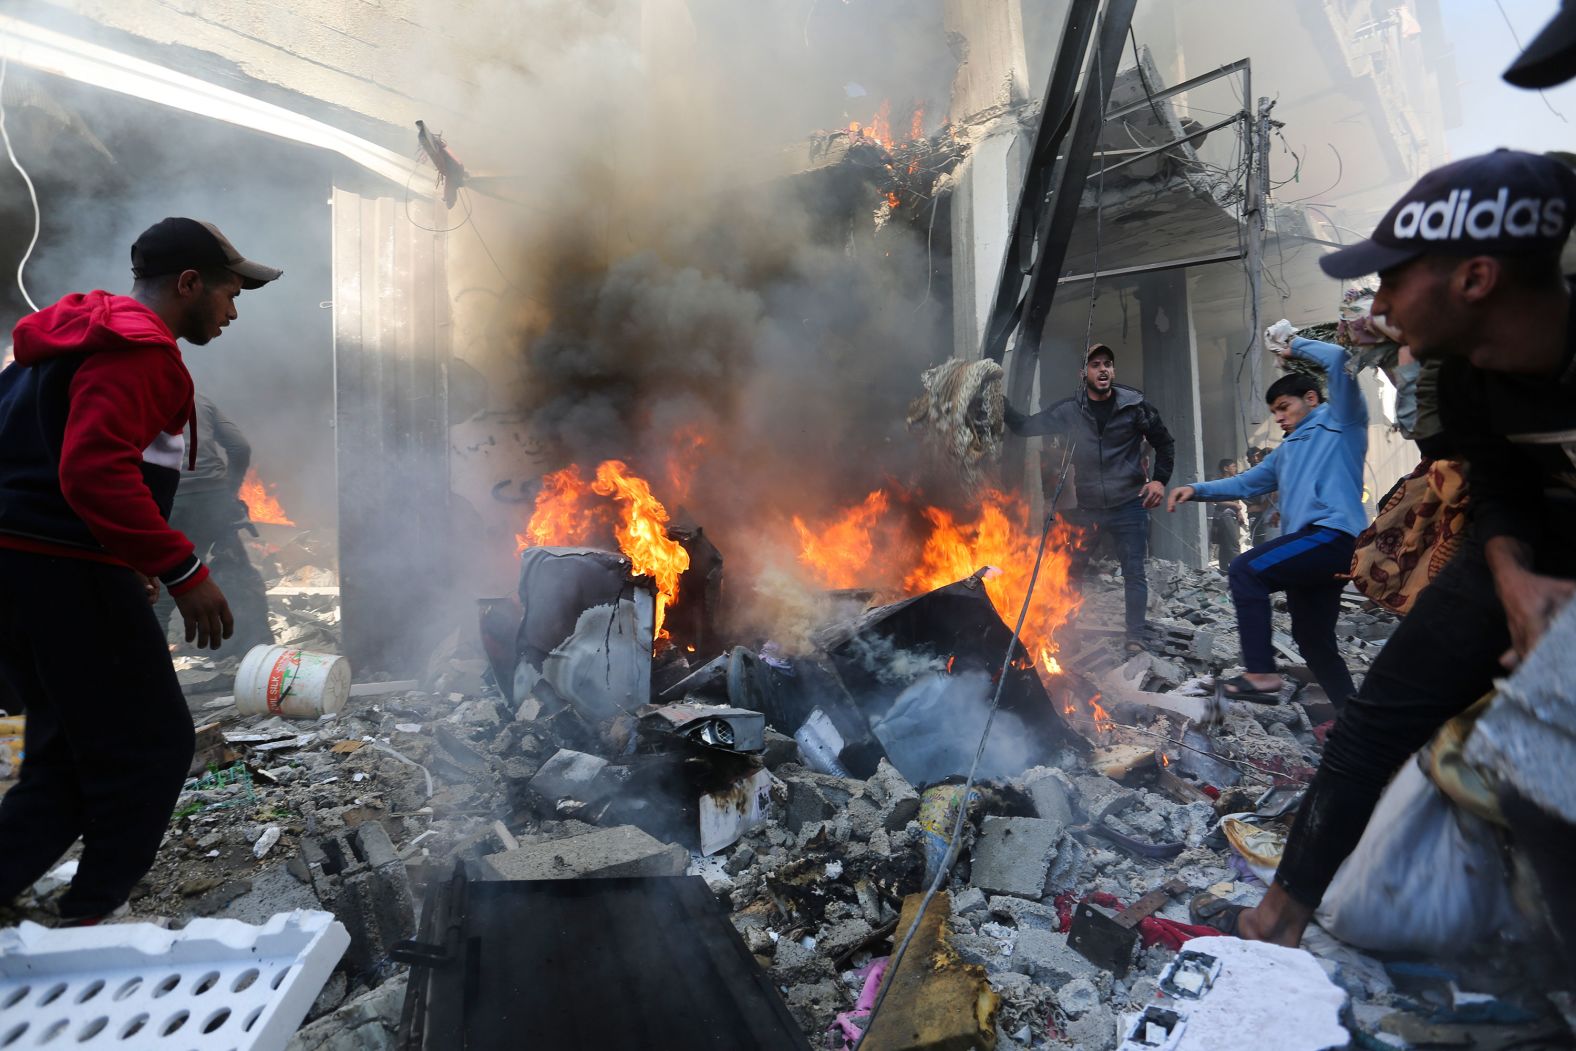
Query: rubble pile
[{"x": 766, "y": 777}]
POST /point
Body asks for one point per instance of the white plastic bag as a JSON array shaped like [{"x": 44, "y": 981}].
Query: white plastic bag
[
  {"x": 1278, "y": 336},
  {"x": 1426, "y": 877}
]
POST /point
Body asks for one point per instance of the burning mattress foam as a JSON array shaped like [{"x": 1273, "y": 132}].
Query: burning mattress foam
[{"x": 963, "y": 409}]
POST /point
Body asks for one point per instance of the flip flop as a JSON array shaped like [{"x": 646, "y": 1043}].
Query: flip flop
[
  {"x": 1238, "y": 688},
  {"x": 1216, "y": 913}
]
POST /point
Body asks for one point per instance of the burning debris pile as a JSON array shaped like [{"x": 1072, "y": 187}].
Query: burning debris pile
[{"x": 812, "y": 791}]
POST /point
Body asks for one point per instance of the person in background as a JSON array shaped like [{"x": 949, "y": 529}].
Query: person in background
[
  {"x": 1263, "y": 511},
  {"x": 1318, "y": 470},
  {"x": 209, "y": 510},
  {"x": 95, "y": 416},
  {"x": 1108, "y": 424},
  {"x": 1227, "y": 520}
]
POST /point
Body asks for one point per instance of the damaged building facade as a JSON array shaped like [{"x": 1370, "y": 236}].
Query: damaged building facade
[{"x": 593, "y": 403}]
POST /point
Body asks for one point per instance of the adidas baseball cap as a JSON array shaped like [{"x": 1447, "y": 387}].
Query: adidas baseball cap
[
  {"x": 172, "y": 245},
  {"x": 1551, "y": 57},
  {"x": 1501, "y": 203}
]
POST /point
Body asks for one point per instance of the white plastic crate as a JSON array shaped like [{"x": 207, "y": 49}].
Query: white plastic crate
[{"x": 217, "y": 985}]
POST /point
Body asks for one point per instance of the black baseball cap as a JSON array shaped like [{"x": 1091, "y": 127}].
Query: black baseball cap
[
  {"x": 1501, "y": 203},
  {"x": 1551, "y": 57},
  {"x": 172, "y": 245},
  {"x": 1099, "y": 348}
]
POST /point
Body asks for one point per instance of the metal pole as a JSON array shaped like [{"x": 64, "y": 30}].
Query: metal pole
[
  {"x": 1256, "y": 131},
  {"x": 1067, "y": 182}
]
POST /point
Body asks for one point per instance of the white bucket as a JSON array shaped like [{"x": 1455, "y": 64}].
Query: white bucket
[{"x": 298, "y": 684}]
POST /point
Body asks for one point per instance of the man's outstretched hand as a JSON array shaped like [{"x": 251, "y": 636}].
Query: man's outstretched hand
[
  {"x": 207, "y": 615},
  {"x": 1151, "y": 494},
  {"x": 1531, "y": 602},
  {"x": 1179, "y": 496}
]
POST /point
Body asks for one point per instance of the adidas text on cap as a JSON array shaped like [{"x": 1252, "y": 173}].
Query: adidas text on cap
[{"x": 1500, "y": 203}]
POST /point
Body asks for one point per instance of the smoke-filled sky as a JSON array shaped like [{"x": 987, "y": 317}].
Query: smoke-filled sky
[
  {"x": 1485, "y": 34},
  {"x": 661, "y": 269}
]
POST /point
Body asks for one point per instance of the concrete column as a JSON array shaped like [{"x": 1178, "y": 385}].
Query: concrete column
[
  {"x": 987, "y": 37},
  {"x": 1170, "y": 349},
  {"x": 993, "y": 67},
  {"x": 982, "y": 207}
]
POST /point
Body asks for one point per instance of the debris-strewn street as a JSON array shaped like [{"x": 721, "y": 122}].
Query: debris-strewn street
[
  {"x": 887, "y": 525},
  {"x": 1068, "y": 906}
]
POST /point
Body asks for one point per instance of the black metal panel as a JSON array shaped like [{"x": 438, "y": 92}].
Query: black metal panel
[
  {"x": 587, "y": 965},
  {"x": 1068, "y": 175},
  {"x": 1056, "y": 113}
]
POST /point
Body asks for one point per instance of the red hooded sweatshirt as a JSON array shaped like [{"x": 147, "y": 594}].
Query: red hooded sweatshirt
[{"x": 93, "y": 419}]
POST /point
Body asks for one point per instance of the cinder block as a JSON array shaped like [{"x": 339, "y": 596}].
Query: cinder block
[
  {"x": 1014, "y": 855},
  {"x": 605, "y": 853},
  {"x": 1046, "y": 957},
  {"x": 572, "y": 775}
]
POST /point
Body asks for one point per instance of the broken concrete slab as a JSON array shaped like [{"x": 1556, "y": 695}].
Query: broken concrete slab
[
  {"x": 897, "y": 799},
  {"x": 934, "y": 1001},
  {"x": 273, "y": 890},
  {"x": 1014, "y": 855},
  {"x": 1046, "y": 957},
  {"x": 373, "y": 844},
  {"x": 572, "y": 775},
  {"x": 794, "y": 963},
  {"x": 1024, "y": 914},
  {"x": 377, "y": 908},
  {"x": 842, "y": 938},
  {"x": 1078, "y": 997},
  {"x": 604, "y": 853},
  {"x": 1051, "y": 794},
  {"x": 370, "y": 1022}
]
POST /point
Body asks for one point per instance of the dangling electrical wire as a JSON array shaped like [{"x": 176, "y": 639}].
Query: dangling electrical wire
[
  {"x": 31, "y": 193},
  {"x": 956, "y": 839}
]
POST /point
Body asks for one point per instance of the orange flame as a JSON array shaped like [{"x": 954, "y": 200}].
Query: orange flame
[
  {"x": 838, "y": 553},
  {"x": 916, "y": 124},
  {"x": 865, "y": 546},
  {"x": 571, "y": 511},
  {"x": 1102, "y": 719},
  {"x": 684, "y": 461},
  {"x": 881, "y": 126},
  {"x": 1001, "y": 537},
  {"x": 565, "y": 513},
  {"x": 643, "y": 534},
  {"x": 261, "y": 505}
]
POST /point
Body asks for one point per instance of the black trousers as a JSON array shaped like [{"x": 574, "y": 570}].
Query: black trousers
[
  {"x": 209, "y": 521},
  {"x": 1128, "y": 527},
  {"x": 109, "y": 739},
  {"x": 1443, "y": 657}
]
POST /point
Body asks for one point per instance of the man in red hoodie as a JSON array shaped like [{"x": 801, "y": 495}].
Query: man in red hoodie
[{"x": 96, "y": 418}]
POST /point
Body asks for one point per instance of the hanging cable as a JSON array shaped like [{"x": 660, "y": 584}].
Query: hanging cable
[
  {"x": 956, "y": 839},
  {"x": 31, "y": 193}
]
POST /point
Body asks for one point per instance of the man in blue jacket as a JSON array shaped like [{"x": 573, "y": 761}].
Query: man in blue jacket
[{"x": 1318, "y": 470}]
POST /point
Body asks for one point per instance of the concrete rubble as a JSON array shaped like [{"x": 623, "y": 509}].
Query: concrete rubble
[{"x": 372, "y": 805}]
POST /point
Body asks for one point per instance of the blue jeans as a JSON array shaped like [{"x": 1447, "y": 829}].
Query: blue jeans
[
  {"x": 1304, "y": 565},
  {"x": 1128, "y": 527}
]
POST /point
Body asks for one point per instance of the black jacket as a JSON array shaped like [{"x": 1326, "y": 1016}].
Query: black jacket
[
  {"x": 1518, "y": 436},
  {"x": 1109, "y": 464}
]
